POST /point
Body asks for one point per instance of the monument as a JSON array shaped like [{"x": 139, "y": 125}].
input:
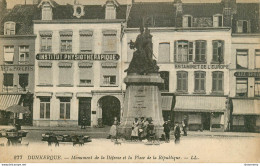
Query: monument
[{"x": 142, "y": 97}]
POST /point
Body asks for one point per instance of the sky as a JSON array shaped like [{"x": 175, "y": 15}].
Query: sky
[{"x": 11, "y": 3}]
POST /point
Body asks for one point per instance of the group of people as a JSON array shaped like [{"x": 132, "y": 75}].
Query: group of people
[
  {"x": 142, "y": 128},
  {"x": 176, "y": 131}
]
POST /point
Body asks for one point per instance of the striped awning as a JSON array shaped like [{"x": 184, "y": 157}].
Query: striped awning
[
  {"x": 167, "y": 103},
  {"x": 246, "y": 107},
  {"x": 8, "y": 100}
]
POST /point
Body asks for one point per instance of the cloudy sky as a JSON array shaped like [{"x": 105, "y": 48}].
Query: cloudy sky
[{"x": 11, "y": 3}]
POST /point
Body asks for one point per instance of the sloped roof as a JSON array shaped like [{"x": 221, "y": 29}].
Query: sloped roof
[
  {"x": 22, "y": 15},
  {"x": 202, "y": 9},
  {"x": 163, "y": 14}
]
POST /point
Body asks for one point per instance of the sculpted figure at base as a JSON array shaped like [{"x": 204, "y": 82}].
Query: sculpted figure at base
[{"x": 142, "y": 61}]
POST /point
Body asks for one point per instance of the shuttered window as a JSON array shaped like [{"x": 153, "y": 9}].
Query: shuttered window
[
  {"x": 46, "y": 41},
  {"x": 165, "y": 76},
  {"x": 109, "y": 42},
  {"x": 85, "y": 75},
  {"x": 217, "y": 81},
  {"x": 183, "y": 51},
  {"x": 218, "y": 51},
  {"x": 45, "y": 75},
  {"x": 257, "y": 87},
  {"x": 9, "y": 54},
  {"x": 217, "y": 20},
  {"x": 66, "y": 41},
  {"x": 200, "y": 81},
  {"x": 23, "y": 81},
  {"x": 257, "y": 59},
  {"x": 200, "y": 51},
  {"x": 9, "y": 28},
  {"x": 243, "y": 26},
  {"x": 182, "y": 81},
  {"x": 164, "y": 52},
  {"x": 8, "y": 79},
  {"x": 65, "y": 74},
  {"x": 86, "y": 41},
  {"x": 187, "y": 21}
]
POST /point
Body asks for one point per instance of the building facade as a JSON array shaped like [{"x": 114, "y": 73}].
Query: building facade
[
  {"x": 245, "y": 69},
  {"x": 17, "y": 51},
  {"x": 78, "y": 62}
]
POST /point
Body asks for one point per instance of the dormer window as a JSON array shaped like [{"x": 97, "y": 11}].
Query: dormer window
[
  {"x": 218, "y": 20},
  {"x": 110, "y": 10},
  {"x": 46, "y": 11},
  {"x": 9, "y": 28},
  {"x": 243, "y": 26},
  {"x": 187, "y": 21}
]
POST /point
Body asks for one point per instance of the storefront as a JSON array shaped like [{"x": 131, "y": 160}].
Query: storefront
[
  {"x": 202, "y": 112},
  {"x": 246, "y": 115}
]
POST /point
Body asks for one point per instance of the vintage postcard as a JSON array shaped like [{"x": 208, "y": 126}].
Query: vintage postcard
[{"x": 129, "y": 81}]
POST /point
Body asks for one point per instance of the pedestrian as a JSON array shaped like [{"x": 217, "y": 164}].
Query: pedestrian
[
  {"x": 134, "y": 133},
  {"x": 113, "y": 129},
  {"x": 185, "y": 126},
  {"x": 141, "y": 128},
  {"x": 177, "y": 133},
  {"x": 83, "y": 122},
  {"x": 150, "y": 130},
  {"x": 166, "y": 129}
]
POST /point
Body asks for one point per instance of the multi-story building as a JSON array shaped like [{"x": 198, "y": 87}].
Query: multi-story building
[
  {"x": 192, "y": 45},
  {"x": 245, "y": 68},
  {"x": 78, "y": 63},
  {"x": 17, "y": 60}
]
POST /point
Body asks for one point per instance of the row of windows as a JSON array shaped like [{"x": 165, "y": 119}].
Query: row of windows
[
  {"x": 109, "y": 44},
  {"x": 8, "y": 82},
  {"x": 109, "y": 76},
  {"x": 242, "y": 87},
  {"x": 23, "y": 54},
  {"x": 242, "y": 59},
  {"x": 199, "y": 80},
  {"x": 45, "y": 108}
]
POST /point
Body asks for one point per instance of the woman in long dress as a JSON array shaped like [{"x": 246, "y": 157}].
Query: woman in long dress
[
  {"x": 134, "y": 134},
  {"x": 113, "y": 129}
]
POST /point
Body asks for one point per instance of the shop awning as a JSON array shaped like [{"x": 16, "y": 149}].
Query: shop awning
[
  {"x": 167, "y": 103},
  {"x": 8, "y": 100},
  {"x": 200, "y": 104},
  {"x": 246, "y": 107}
]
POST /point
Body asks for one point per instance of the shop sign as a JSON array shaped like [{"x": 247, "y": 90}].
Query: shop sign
[
  {"x": 200, "y": 66},
  {"x": 90, "y": 57},
  {"x": 247, "y": 74},
  {"x": 16, "y": 68}
]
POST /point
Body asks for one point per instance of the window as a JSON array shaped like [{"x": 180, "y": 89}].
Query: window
[
  {"x": 8, "y": 79},
  {"x": 187, "y": 21},
  {"x": 200, "y": 51},
  {"x": 257, "y": 59},
  {"x": 9, "y": 54},
  {"x": 85, "y": 74},
  {"x": 243, "y": 26},
  {"x": 217, "y": 20},
  {"x": 65, "y": 74},
  {"x": 23, "y": 82},
  {"x": 109, "y": 80},
  {"x": 66, "y": 41},
  {"x": 165, "y": 77},
  {"x": 86, "y": 38},
  {"x": 183, "y": 51},
  {"x": 257, "y": 87},
  {"x": 110, "y": 11},
  {"x": 164, "y": 52},
  {"x": 200, "y": 81},
  {"x": 65, "y": 108},
  {"x": 218, "y": 51},
  {"x": 46, "y": 41},
  {"x": 45, "y": 108},
  {"x": 182, "y": 81},
  {"x": 109, "y": 42},
  {"x": 45, "y": 74},
  {"x": 242, "y": 59},
  {"x": 241, "y": 89},
  {"x": 9, "y": 28},
  {"x": 217, "y": 81},
  {"x": 24, "y": 54},
  {"x": 46, "y": 12}
]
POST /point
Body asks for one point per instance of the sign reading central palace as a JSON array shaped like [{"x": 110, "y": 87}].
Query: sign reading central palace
[{"x": 67, "y": 56}]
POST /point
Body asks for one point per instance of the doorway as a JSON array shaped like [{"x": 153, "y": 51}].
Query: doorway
[
  {"x": 84, "y": 110},
  {"x": 205, "y": 117},
  {"x": 250, "y": 122},
  {"x": 110, "y": 106}
]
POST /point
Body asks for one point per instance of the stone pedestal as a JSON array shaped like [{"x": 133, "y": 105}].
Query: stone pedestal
[{"x": 142, "y": 99}]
